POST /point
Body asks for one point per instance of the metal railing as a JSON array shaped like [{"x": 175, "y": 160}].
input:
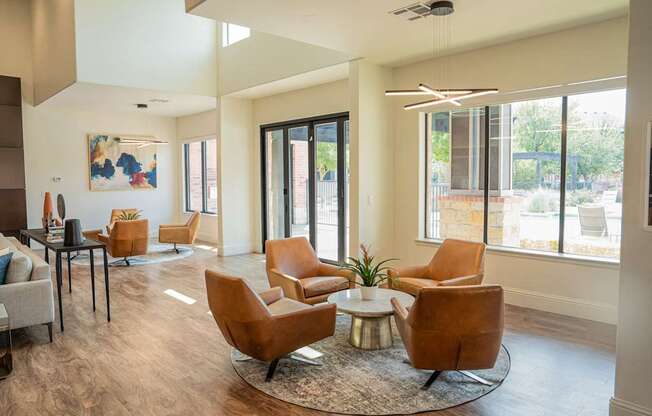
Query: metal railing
[
  {"x": 327, "y": 202},
  {"x": 437, "y": 190}
]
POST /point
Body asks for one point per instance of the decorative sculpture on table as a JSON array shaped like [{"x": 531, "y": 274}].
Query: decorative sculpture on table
[
  {"x": 61, "y": 207},
  {"x": 47, "y": 220}
]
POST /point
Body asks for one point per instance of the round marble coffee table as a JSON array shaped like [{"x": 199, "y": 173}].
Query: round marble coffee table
[{"x": 371, "y": 327}]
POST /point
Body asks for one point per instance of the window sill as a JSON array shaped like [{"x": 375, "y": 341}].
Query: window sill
[
  {"x": 203, "y": 214},
  {"x": 538, "y": 255}
]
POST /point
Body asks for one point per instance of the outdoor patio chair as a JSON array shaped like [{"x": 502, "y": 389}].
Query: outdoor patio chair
[{"x": 593, "y": 221}]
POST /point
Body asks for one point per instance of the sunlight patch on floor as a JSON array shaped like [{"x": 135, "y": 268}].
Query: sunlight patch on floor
[{"x": 180, "y": 296}]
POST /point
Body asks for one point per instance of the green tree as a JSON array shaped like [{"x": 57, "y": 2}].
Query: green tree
[{"x": 326, "y": 159}]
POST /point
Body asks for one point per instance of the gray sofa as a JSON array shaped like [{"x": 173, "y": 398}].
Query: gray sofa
[{"x": 30, "y": 302}]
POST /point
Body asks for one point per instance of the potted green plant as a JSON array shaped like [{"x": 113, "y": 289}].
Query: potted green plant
[
  {"x": 371, "y": 273},
  {"x": 129, "y": 216}
]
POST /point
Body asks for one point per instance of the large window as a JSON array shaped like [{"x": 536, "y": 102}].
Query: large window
[
  {"x": 233, "y": 33},
  {"x": 200, "y": 165},
  {"x": 554, "y": 174}
]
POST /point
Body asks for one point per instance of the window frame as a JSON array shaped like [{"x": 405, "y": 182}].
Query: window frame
[
  {"x": 486, "y": 108},
  {"x": 204, "y": 175},
  {"x": 226, "y": 34}
]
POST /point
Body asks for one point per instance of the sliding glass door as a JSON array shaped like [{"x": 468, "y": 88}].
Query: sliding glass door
[{"x": 305, "y": 182}]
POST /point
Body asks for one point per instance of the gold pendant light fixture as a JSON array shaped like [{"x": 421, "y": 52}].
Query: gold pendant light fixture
[{"x": 440, "y": 10}]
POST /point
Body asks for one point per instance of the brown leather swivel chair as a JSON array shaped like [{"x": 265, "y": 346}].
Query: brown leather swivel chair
[
  {"x": 452, "y": 328},
  {"x": 456, "y": 263},
  {"x": 266, "y": 326},
  {"x": 126, "y": 239},
  {"x": 180, "y": 233},
  {"x": 293, "y": 265}
]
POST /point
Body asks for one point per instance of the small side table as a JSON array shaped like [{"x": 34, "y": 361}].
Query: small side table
[{"x": 6, "y": 361}]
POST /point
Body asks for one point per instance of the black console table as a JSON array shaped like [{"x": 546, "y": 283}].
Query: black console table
[{"x": 40, "y": 236}]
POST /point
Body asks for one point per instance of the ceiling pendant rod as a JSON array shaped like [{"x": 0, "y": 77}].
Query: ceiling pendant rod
[{"x": 440, "y": 41}]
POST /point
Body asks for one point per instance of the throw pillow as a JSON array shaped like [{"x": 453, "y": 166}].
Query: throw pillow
[
  {"x": 20, "y": 268},
  {"x": 5, "y": 259}
]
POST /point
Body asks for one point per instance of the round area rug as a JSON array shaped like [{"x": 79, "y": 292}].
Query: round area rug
[
  {"x": 359, "y": 382},
  {"x": 156, "y": 253}
]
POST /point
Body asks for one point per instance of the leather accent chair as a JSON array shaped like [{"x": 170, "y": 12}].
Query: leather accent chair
[
  {"x": 293, "y": 265},
  {"x": 180, "y": 233},
  {"x": 456, "y": 263},
  {"x": 452, "y": 328},
  {"x": 266, "y": 326},
  {"x": 126, "y": 239}
]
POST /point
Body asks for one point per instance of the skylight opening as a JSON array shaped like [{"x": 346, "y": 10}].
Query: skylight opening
[{"x": 232, "y": 33}]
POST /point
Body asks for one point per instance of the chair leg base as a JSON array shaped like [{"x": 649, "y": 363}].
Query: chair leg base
[
  {"x": 431, "y": 380},
  {"x": 120, "y": 261},
  {"x": 49, "y": 325},
  {"x": 271, "y": 370},
  {"x": 476, "y": 378}
]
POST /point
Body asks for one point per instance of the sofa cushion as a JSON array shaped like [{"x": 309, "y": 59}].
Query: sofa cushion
[
  {"x": 320, "y": 285},
  {"x": 5, "y": 259},
  {"x": 20, "y": 268},
  {"x": 286, "y": 305},
  {"x": 5, "y": 243},
  {"x": 412, "y": 285}
]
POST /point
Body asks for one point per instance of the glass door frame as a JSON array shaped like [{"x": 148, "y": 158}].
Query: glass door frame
[{"x": 339, "y": 119}]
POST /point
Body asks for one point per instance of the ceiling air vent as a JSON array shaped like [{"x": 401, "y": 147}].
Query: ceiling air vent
[{"x": 413, "y": 11}]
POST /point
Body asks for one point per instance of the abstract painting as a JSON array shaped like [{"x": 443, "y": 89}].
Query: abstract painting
[{"x": 116, "y": 166}]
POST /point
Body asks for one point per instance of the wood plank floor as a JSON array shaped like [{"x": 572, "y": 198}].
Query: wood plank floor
[{"x": 160, "y": 356}]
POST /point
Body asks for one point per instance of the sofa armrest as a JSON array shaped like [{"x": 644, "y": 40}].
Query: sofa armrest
[
  {"x": 28, "y": 303},
  {"x": 271, "y": 295},
  {"x": 103, "y": 238},
  {"x": 332, "y": 270},
  {"x": 475, "y": 279},
  {"x": 305, "y": 326},
  {"x": 291, "y": 286},
  {"x": 409, "y": 271},
  {"x": 399, "y": 310}
]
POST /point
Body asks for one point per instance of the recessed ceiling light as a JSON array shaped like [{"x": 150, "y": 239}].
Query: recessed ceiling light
[{"x": 141, "y": 105}]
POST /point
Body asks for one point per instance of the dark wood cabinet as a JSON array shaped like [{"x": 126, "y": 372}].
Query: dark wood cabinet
[{"x": 13, "y": 208}]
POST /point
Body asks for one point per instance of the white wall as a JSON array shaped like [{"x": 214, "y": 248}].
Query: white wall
[
  {"x": 237, "y": 177},
  {"x": 329, "y": 98},
  {"x": 634, "y": 346},
  {"x": 372, "y": 160},
  {"x": 189, "y": 128},
  {"x": 16, "y": 44},
  {"x": 263, "y": 58},
  {"x": 53, "y": 47},
  {"x": 590, "y": 52},
  {"x": 148, "y": 44},
  {"x": 56, "y": 145}
]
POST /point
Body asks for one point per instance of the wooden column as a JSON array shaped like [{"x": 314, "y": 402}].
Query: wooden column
[{"x": 13, "y": 209}]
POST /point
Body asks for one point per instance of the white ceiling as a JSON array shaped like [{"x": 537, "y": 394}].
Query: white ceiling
[
  {"x": 305, "y": 80},
  {"x": 123, "y": 99},
  {"x": 364, "y": 28}
]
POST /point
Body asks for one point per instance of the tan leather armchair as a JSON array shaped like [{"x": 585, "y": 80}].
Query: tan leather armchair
[
  {"x": 293, "y": 265},
  {"x": 453, "y": 328},
  {"x": 180, "y": 233},
  {"x": 456, "y": 263},
  {"x": 268, "y": 326},
  {"x": 126, "y": 239}
]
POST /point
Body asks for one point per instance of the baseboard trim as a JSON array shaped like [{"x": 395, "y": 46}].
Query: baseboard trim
[
  {"x": 563, "y": 305},
  {"x": 235, "y": 249},
  {"x": 619, "y": 407}
]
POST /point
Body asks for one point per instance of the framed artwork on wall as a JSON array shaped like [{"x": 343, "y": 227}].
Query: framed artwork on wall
[
  {"x": 122, "y": 163},
  {"x": 648, "y": 179}
]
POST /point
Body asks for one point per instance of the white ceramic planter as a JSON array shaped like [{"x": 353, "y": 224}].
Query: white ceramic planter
[{"x": 368, "y": 292}]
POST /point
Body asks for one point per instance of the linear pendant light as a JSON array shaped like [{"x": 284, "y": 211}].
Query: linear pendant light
[{"x": 453, "y": 96}]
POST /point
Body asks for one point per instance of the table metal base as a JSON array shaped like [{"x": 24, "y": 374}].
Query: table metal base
[
  {"x": 371, "y": 333},
  {"x": 6, "y": 360}
]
